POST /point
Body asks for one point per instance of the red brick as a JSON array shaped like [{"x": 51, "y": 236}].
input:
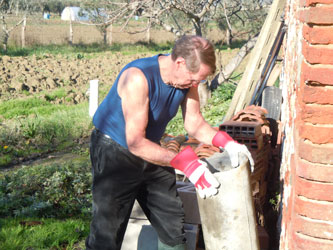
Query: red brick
[
  {"x": 316, "y": 172},
  {"x": 318, "y": 74},
  {"x": 317, "y": 15},
  {"x": 315, "y": 153},
  {"x": 317, "y": 53},
  {"x": 303, "y": 242},
  {"x": 318, "y": 34},
  {"x": 315, "y": 228},
  {"x": 307, "y": 3},
  {"x": 316, "y": 133},
  {"x": 314, "y": 190},
  {"x": 320, "y": 210},
  {"x": 317, "y": 94},
  {"x": 317, "y": 114}
]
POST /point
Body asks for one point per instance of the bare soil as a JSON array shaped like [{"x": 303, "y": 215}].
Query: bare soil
[
  {"x": 41, "y": 75},
  {"x": 22, "y": 76}
]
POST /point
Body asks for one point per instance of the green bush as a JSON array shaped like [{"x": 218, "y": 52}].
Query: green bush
[
  {"x": 213, "y": 112},
  {"x": 218, "y": 105},
  {"x": 47, "y": 191}
]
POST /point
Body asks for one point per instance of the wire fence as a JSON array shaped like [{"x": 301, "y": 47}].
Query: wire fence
[{"x": 40, "y": 31}]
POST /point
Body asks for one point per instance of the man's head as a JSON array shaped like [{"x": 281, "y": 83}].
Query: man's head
[{"x": 195, "y": 50}]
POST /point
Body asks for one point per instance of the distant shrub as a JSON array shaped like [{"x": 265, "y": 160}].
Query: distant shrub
[{"x": 46, "y": 191}]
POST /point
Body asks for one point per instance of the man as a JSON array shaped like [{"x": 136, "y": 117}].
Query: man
[{"x": 128, "y": 162}]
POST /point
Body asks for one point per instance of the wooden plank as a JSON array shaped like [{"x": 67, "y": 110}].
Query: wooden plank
[
  {"x": 275, "y": 74},
  {"x": 258, "y": 58}
]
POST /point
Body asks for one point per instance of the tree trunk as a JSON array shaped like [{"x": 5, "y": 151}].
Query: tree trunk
[
  {"x": 226, "y": 72},
  {"x": 17, "y": 8},
  {"x": 5, "y": 41},
  {"x": 229, "y": 38},
  {"x": 70, "y": 30},
  {"x": 110, "y": 34},
  {"x": 105, "y": 32},
  {"x": 4, "y": 34},
  {"x": 23, "y": 31},
  {"x": 197, "y": 27},
  {"x": 148, "y": 31},
  {"x": 204, "y": 94}
]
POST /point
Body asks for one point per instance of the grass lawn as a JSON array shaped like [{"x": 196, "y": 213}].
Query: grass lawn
[{"x": 37, "y": 233}]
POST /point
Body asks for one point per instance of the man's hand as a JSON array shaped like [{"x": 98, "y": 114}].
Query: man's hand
[
  {"x": 233, "y": 148},
  {"x": 196, "y": 171}
]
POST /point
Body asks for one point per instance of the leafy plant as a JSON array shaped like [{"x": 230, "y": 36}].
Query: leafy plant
[
  {"x": 213, "y": 112},
  {"x": 30, "y": 128},
  {"x": 49, "y": 127},
  {"x": 47, "y": 191}
]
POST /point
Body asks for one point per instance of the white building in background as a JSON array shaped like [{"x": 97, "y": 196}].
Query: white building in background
[{"x": 74, "y": 14}]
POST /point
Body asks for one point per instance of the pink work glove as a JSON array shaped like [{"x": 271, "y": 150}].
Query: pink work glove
[
  {"x": 233, "y": 148},
  {"x": 196, "y": 171}
]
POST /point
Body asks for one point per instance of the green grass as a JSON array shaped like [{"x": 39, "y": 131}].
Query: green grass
[
  {"x": 33, "y": 126},
  {"x": 15, "y": 233},
  {"x": 87, "y": 50},
  {"x": 25, "y": 107},
  {"x": 56, "y": 94}
]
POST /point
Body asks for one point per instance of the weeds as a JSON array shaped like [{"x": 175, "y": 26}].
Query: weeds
[
  {"x": 59, "y": 190},
  {"x": 56, "y": 94},
  {"x": 81, "y": 51},
  {"x": 37, "y": 129},
  {"x": 19, "y": 233},
  {"x": 213, "y": 112},
  {"x": 23, "y": 107},
  {"x": 30, "y": 128}
]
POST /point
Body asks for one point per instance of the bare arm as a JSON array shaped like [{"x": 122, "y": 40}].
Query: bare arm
[
  {"x": 133, "y": 90},
  {"x": 194, "y": 122}
]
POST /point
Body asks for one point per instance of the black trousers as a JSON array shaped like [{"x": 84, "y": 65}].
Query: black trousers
[{"x": 119, "y": 177}]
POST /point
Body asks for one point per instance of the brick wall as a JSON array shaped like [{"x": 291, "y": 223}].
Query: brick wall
[{"x": 307, "y": 113}]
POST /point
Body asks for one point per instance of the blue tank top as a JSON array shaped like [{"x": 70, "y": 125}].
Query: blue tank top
[{"x": 163, "y": 105}]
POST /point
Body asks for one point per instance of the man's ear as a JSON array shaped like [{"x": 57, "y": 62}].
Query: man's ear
[{"x": 180, "y": 61}]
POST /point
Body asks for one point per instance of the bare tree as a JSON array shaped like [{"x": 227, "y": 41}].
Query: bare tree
[
  {"x": 172, "y": 15},
  {"x": 190, "y": 17},
  {"x": 22, "y": 7},
  {"x": 226, "y": 71},
  {"x": 7, "y": 6},
  {"x": 240, "y": 19}
]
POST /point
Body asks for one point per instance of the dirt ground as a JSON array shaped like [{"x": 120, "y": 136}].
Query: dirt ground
[
  {"x": 22, "y": 76},
  {"x": 42, "y": 75},
  {"x": 45, "y": 75}
]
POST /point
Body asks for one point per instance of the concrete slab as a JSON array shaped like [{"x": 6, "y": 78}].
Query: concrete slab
[{"x": 140, "y": 235}]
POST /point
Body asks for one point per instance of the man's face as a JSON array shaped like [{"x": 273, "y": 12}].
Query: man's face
[{"x": 189, "y": 79}]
